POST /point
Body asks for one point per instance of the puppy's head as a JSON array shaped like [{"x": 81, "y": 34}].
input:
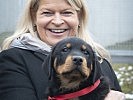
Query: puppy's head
[{"x": 72, "y": 60}]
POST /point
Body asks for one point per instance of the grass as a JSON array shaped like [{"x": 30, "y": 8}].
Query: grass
[{"x": 124, "y": 74}]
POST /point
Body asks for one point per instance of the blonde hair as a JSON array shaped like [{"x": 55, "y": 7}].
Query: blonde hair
[{"x": 26, "y": 24}]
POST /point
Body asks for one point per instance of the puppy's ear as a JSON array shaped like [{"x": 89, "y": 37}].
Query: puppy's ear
[
  {"x": 52, "y": 87},
  {"x": 47, "y": 66},
  {"x": 96, "y": 71}
]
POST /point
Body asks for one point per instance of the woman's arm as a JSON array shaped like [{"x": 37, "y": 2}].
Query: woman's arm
[{"x": 15, "y": 83}]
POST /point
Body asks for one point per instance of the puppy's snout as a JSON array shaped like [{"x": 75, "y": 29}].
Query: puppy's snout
[{"x": 78, "y": 60}]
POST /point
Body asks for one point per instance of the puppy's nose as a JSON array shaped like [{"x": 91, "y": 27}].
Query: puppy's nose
[{"x": 77, "y": 60}]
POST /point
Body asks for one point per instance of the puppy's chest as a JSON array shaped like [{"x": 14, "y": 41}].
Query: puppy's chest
[{"x": 74, "y": 99}]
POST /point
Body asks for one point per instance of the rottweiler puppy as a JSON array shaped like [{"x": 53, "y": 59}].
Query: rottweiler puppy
[{"x": 74, "y": 72}]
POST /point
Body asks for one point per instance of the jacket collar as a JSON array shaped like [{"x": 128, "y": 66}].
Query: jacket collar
[{"x": 28, "y": 42}]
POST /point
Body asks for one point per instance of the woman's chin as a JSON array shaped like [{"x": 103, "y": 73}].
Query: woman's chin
[{"x": 55, "y": 41}]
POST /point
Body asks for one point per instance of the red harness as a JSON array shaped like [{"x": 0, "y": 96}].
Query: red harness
[{"x": 76, "y": 94}]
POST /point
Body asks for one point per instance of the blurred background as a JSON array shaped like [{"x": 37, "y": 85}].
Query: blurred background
[{"x": 110, "y": 24}]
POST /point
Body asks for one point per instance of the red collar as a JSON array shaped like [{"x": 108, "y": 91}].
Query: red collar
[{"x": 76, "y": 94}]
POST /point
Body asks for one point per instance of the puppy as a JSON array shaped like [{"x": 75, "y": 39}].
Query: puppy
[{"x": 74, "y": 72}]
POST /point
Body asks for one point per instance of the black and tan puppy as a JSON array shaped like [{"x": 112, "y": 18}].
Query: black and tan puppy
[{"x": 74, "y": 72}]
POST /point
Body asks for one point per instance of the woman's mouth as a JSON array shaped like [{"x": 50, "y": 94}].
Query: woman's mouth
[{"x": 57, "y": 31}]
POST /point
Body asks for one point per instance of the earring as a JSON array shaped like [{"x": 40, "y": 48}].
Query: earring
[
  {"x": 78, "y": 26},
  {"x": 34, "y": 28}
]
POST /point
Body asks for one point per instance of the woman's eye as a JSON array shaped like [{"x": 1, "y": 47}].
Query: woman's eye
[
  {"x": 67, "y": 13},
  {"x": 47, "y": 14}
]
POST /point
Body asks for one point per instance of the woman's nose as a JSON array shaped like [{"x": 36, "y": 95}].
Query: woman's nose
[{"x": 57, "y": 20}]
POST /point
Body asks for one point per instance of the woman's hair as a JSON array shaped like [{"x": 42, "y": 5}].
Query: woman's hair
[{"x": 26, "y": 24}]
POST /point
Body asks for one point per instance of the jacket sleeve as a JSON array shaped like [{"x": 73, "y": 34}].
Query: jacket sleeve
[
  {"x": 15, "y": 83},
  {"x": 109, "y": 72}
]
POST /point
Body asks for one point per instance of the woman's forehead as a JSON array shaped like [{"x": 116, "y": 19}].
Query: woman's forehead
[
  {"x": 53, "y": 1},
  {"x": 55, "y": 4}
]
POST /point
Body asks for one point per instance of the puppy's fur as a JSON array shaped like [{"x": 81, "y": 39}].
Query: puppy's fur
[{"x": 71, "y": 66}]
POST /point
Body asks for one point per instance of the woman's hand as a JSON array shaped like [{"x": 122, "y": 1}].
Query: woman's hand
[{"x": 115, "y": 95}]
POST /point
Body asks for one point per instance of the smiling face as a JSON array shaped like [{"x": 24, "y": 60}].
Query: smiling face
[{"x": 56, "y": 20}]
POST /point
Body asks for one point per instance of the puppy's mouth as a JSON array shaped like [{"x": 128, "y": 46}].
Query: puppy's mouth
[{"x": 75, "y": 74}]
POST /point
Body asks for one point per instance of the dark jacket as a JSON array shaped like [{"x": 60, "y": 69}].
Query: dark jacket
[{"x": 22, "y": 76}]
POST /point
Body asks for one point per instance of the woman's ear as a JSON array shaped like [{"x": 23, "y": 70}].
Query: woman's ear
[
  {"x": 33, "y": 16},
  {"x": 48, "y": 64}
]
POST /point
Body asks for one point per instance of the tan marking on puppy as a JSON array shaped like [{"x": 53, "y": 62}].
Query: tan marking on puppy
[
  {"x": 91, "y": 67},
  {"x": 68, "y": 67},
  {"x": 83, "y": 47},
  {"x": 55, "y": 63},
  {"x": 65, "y": 68},
  {"x": 68, "y": 45},
  {"x": 86, "y": 69}
]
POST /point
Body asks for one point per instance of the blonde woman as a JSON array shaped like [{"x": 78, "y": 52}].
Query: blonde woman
[{"x": 42, "y": 25}]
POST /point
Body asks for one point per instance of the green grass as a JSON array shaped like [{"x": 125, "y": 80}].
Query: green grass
[{"x": 124, "y": 74}]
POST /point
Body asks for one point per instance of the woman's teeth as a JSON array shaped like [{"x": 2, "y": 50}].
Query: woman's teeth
[{"x": 57, "y": 30}]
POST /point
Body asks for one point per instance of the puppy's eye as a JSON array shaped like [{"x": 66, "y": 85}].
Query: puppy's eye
[
  {"x": 65, "y": 49},
  {"x": 86, "y": 52}
]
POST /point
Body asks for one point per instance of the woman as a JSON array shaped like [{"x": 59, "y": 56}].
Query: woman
[{"x": 43, "y": 24}]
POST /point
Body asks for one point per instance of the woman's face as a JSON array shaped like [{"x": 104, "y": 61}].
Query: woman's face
[{"x": 56, "y": 20}]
